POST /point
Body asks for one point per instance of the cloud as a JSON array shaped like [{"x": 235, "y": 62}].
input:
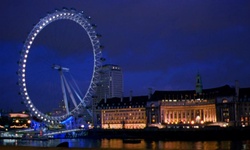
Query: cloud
[{"x": 160, "y": 44}]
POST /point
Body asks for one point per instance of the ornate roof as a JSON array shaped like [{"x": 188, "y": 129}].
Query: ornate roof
[
  {"x": 191, "y": 94},
  {"x": 125, "y": 101}
]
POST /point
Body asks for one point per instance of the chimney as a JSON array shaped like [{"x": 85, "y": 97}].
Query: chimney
[
  {"x": 149, "y": 93},
  {"x": 131, "y": 94},
  {"x": 237, "y": 88},
  {"x": 105, "y": 99},
  {"x": 122, "y": 97}
]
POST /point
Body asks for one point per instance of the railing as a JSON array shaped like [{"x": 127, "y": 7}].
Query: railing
[
  {"x": 186, "y": 103},
  {"x": 62, "y": 131}
]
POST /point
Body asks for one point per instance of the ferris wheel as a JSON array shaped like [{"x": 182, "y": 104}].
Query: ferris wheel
[{"x": 85, "y": 99}]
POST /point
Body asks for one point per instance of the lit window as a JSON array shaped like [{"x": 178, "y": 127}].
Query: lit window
[{"x": 224, "y": 101}]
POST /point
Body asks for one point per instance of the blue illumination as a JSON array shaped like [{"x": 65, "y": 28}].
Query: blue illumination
[
  {"x": 67, "y": 120},
  {"x": 36, "y": 125}
]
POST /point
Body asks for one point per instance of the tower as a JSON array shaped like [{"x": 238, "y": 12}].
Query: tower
[
  {"x": 198, "y": 84},
  {"x": 111, "y": 82}
]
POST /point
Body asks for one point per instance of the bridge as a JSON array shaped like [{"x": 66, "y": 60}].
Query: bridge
[
  {"x": 70, "y": 132},
  {"x": 31, "y": 134}
]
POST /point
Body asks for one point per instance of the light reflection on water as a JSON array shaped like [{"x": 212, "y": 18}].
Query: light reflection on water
[{"x": 118, "y": 144}]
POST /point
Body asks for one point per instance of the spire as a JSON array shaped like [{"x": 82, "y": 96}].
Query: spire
[{"x": 198, "y": 84}]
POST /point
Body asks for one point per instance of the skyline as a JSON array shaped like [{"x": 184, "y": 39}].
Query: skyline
[{"x": 160, "y": 45}]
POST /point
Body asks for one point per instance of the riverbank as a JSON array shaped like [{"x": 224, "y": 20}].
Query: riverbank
[
  {"x": 166, "y": 134},
  {"x": 174, "y": 134},
  {"x": 42, "y": 148}
]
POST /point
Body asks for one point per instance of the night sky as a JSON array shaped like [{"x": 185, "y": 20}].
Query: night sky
[{"x": 158, "y": 44}]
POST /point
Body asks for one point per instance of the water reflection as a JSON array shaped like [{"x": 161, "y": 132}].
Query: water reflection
[
  {"x": 118, "y": 144},
  {"x": 9, "y": 142}
]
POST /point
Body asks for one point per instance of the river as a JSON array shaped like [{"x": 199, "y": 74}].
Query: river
[{"x": 118, "y": 144}]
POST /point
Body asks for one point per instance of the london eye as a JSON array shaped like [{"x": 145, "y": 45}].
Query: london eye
[{"x": 70, "y": 91}]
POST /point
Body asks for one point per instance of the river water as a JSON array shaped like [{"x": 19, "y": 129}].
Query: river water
[{"x": 118, "y": 144}]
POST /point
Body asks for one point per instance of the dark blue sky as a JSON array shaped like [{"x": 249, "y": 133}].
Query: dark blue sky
[{"x": 158, "y": 44}]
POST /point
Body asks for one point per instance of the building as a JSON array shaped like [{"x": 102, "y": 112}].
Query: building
[
  {"x": 11, "y": 121},
  {"x": 111, "y": 82},
  {"x": 235, "y": 109},
  {"x": 186, "y": 107},
  {"x": 224, "y": 105},
  {"x": 123, "y": 113},
  {"x": 243, "y": 107},
  {"x": 110, "y": 85}
]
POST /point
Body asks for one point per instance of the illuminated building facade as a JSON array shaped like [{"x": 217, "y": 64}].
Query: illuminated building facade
[
  {"x": 197, "y": 106},
  {"x": 123, "y": 113},
  {"x": 15, "y": 121},
  {"x": 20, "y": 120},
  {"x": 185, "y": 107},
  {"x": 223, "y": 104}
]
